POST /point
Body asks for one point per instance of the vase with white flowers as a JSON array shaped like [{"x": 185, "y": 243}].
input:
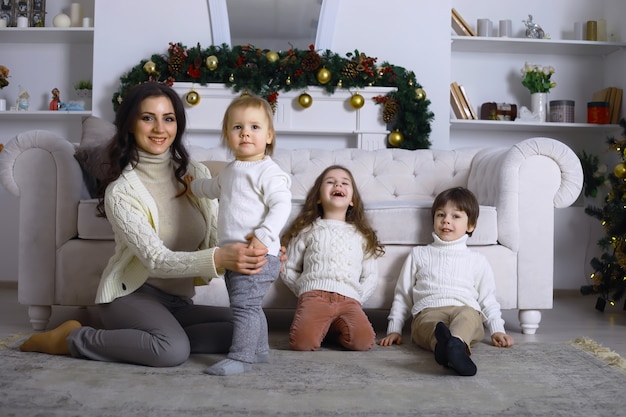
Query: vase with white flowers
[{"x": 537, "y": 78}]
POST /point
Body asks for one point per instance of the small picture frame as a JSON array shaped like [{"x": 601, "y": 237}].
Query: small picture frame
[
  {"x": 20, "y": 8},
  {"x": 6, "y": 12},
  {"x": 37, "y": 16}
]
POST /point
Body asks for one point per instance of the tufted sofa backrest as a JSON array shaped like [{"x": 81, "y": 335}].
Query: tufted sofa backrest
[{"x": 381, "y": 175}]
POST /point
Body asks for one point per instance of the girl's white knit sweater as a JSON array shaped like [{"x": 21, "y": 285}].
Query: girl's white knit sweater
[{"x": 329, "y": 255}]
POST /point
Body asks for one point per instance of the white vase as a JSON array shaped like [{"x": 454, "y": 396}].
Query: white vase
[{"x": 539, "y": 106}]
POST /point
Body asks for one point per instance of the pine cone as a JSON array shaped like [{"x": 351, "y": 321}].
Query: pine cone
[
  {"x": 350, "y": 70},
  {"x": 175, "y": 64},
  {"x": 311, "y": 61},
  {"x": 390, "y": 110}
]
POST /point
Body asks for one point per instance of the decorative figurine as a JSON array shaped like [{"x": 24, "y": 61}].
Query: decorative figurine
[
  {"x": 533, "y": 30},
  {"x": 56, "y": 99},
  {"x": 23, "y": 101}
]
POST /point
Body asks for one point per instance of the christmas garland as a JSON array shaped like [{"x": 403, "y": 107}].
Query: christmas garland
[{"x": 267, "y": 73}]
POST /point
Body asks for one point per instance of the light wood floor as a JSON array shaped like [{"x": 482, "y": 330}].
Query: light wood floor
[{"x": 573, "y": 316}]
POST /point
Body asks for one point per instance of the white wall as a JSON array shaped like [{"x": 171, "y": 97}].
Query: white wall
[{"x": 129, "y": 31}]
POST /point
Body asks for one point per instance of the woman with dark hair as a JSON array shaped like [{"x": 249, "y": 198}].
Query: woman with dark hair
[{"x": 165, "y": 244}]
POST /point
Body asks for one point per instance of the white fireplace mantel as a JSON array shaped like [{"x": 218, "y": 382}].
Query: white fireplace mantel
[{"x": 329, "y": 123}]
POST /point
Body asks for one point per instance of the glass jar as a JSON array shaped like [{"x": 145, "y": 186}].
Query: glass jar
[
  {"x": 562, "y": 111},
  {"x": 598, "y": 112}
]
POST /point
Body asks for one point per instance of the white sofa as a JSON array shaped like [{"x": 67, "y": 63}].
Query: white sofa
[{"x": 63, "y": 246}]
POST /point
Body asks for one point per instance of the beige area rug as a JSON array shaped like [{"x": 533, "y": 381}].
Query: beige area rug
[{"x": 530, "y": 379}]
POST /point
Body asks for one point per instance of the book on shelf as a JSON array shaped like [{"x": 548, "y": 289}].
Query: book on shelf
[
  {"x": 615, "y": 105},
  {"x": 460, "y": 26},
  {"x": 601, "y": 95},
  {"x": 464, "y": 105},
  {"x": 455, "y": 103},
  {"x": 472, "y": 110},
  {"x": 613, "y": 96}
]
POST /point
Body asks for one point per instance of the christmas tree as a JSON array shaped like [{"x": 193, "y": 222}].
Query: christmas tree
[{"x": 609, "y": 276}]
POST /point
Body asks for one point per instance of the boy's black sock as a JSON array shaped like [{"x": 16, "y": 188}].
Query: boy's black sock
[
  {"x": 442, "y": 334},
  {"x": 458, "y": 358}
]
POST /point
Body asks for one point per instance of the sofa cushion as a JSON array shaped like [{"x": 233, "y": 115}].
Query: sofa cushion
[
  {"x": 410, "y": 223},
  {"x": 396, "y": 223},
  {"x": 90, "y": 152},
  {"x": 91, "y": 226}
]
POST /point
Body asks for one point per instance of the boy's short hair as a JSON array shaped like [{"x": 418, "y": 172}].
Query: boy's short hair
[{"x": 464, "y": 199}]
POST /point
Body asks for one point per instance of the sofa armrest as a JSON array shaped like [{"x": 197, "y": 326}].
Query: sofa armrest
[
  {"x": 525, "y": 183},
  {"x": 540, "y": 167},
  {"x": 39, "y": 167}
]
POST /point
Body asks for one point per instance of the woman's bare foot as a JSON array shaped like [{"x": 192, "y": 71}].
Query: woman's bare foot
[{"x": 52, "y": 342}]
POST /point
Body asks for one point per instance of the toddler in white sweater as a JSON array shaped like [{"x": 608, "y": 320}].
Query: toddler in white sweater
[{"x": 255, "y": 202}]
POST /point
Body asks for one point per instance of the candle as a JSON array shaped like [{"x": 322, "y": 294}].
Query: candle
[
  {"x": 484, "y": 26},
  {"x": 22, "y": 22},
  {"x": 76, "y": 14}
]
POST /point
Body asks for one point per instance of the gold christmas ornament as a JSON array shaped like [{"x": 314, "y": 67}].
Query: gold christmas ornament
[
  {"x": 211, "y": 62},
  {"x": 620, "y": 170},
  {"x": 149, "y": 67},
  {"x": 192, "y": 98},
  {"x": 339, "y": 83},
  {"x": 231, "y": 78},
  {"x": 357, "y": 101},
  {"x": 323, "y": 75},
  {"x": 395, "y": 138},
  {"x": 305, "y": 100},
  {"x": 272, "y": 56},
  {"x": 288, "y": 81},
  {"x": 420, "y": 94}
]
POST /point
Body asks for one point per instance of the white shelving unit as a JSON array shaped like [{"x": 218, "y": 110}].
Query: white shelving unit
[
  {"x": 25, "y": 116},
  {"x": 531, "y": 127},
  {"x": 40, "y": 59},
  {"x": 71, "y": 35},
  {"x": 494, "y": 45},
  {"x": 489, "y": 68}
]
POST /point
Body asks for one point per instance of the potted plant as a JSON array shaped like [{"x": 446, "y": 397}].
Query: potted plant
[{"x": 83, "y": 88}]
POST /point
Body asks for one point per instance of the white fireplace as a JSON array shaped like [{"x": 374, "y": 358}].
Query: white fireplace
[{"x": 329, "y": 123}]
